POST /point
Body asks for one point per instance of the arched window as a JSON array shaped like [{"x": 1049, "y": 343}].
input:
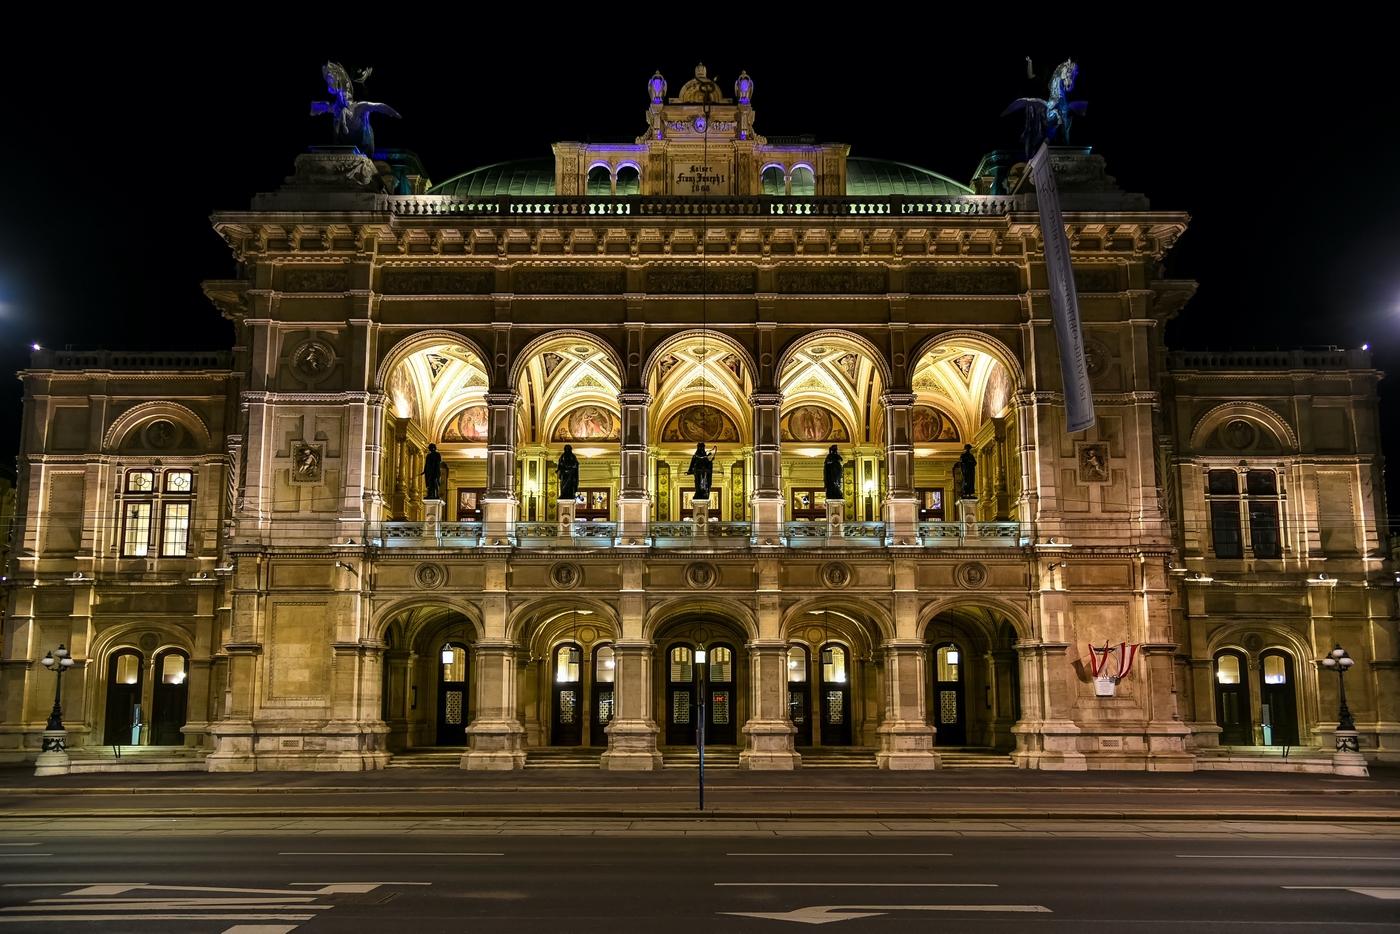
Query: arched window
[
  {"x": 629, "y": 180},
  {"x": 599, "y": 182},
  {"x": 773, "y": 182},
  {"x": 566, "y": 664},
  {"x": 804, "y": 183}
]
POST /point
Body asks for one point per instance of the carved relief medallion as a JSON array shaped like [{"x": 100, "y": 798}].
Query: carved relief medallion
[
  {"x": 307, "y": 462},
  {"x": 313, "y": 359},
  {"x": 161, "y": 434},
  {"x": 701, "y": 575},
  {"x": 565, "y": 576},
  {"x": 1093, "y": 462},
  {"x": 430, "y": 576},
  {"x": 971, "y": 575},
  {"x": 836, "y": 575}
]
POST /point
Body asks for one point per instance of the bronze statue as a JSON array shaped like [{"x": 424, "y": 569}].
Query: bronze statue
[
  {"x": 702, "y": 468},
  {"x": 568, "y": 474},
  {"x": 432, "y": 473},
  {"x": 349, "y": 117},
  {"x": 968, "y": 463},
  {"x": 833, "y": 476}
]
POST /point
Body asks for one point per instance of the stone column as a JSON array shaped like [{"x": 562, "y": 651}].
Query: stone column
[
  {"x": 906, "y": 736},
  {"x": 632, "y": 732},
  {"x": 767, "y": 501},
  {"x": 400, "y": 664},
  {"x": 234, "y": 737},
  {"x": 1047, "y": 736},
  {"x": 1004, "y": 662},
  {"x": 398, "y": 502},
  {"x": 495, "y": 734},
  {"x": 634, "y": 501},
  {"x": 499, "y": 506},
  {"x": 901, "y": 508},
  {"x": 769, "y": 732}
]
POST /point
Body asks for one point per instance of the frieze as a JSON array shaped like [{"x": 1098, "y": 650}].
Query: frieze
[
  {"x": 315, "y": 280},
  {"x": 538, "y": 280},
  {"x": 1103, "y": 279},
  {"x": 964, "y": 280},
  {"x": 678, "y": 280},
  {"x": 420, "y": 281},
  {"x": 851, "y": 281}
]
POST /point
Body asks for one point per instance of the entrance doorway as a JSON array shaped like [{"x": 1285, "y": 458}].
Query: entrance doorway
[
  {"x": 125, "y": 678},
  {"x": 680, "y": 696},
  {"x": 799, "y": 695},
  {"x": 452, "y": 695},
  {"x": 604, "y": 680},
  {"x": 836, "y": 695},
  {"x": 169, "y": 699},
  {"x": 949, "y": 704},
  {"x": 719, "y": 712},
  {"x": 1278, "y": 698},
  {"x": 567, "y": 720},
  {"x": 1232, "y": 699}
]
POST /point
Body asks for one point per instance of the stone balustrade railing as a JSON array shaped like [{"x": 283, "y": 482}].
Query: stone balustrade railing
[
  {"x": 1329, "y": 358},
  {"x": 716, "y": 206}
]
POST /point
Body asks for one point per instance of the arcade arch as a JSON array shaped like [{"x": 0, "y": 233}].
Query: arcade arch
[{"x": 974, "y": 676}]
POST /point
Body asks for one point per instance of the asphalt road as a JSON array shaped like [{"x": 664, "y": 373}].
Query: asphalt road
[{"x": 390, "y": 882}]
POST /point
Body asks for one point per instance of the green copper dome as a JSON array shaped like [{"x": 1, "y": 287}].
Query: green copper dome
[
  {"x": 530, "y": 178},
  {"x": 869, "y": 177}
]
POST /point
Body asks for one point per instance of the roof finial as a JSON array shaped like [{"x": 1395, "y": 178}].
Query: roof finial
[{"x": 700, "y": 71}]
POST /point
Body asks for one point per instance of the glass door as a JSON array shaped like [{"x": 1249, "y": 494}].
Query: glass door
[
  {"x": 799, "y": 695},
  {"x": 836, "y": 695},
  {"x": 452, "y": 695},
  {"x": 1278, "y": 699},
  {"x": 949, "y": 709},
  {"x": 568, "y": 696},
  {"x": 170, "y": 698},
  {"x": 604, "y": 679},
  {"x": 1232, "y": 699},
  {"x": 720, "y": 711},
  {"x": 125, "y": 675},
  {"x": 680, "y": 696}
]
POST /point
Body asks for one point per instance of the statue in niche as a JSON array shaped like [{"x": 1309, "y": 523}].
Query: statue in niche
[
  {"x": 349, "y": 117},
  {"x": 702, "y": 468},
  {"x": 968, "y": 465},
  {"x": 432, "y": 474},
  {"x": 568, "y": 474},
  {"x": 306, "y": 463},
  {"x": 833, "y": 476}
]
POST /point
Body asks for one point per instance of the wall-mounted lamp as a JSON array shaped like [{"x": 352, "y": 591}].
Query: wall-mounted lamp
[
  {"x": 348, "y": 567},
  {"x": 1056, "y": 564},
  {"x": 1196, "y": 577},
  {"x": 224, "y": 569}
]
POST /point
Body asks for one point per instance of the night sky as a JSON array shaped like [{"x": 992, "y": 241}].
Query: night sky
[{"x": 1289, "y": 163}]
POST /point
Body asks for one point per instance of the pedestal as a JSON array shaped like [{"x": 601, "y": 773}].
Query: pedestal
[
  {"x": 700, "y": 515},
  {"x": 53, "y": 760},
  {"x": 836, "y": 518},
  {"x": 567, "y": 512},
  {"x": 967, "y": 515},
  {"x": 633, "y": 513},
  {"x": 432, "y": 518},
  {"x": 1347, "y": 760}
]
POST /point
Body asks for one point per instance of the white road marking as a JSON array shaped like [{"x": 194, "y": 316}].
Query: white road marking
[
  {"x": 384, "y": 853},
  {"x": 23, "y": 855},
  {"x": 1387, "y": 892},
  {"x": 823, "y": 914},
  {"x": 865, "y": 885},
  {"x": 261, "y": 929},
  {"x": 168, "y": 916},
  {"x": 1271, "y": 857},
  {"x": 838, "y": 854},
  {"x": 19, "y": 844}
]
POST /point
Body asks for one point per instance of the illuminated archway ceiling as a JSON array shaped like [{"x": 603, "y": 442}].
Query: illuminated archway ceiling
[
  {"x": 561, "y": 376},
  {"x": 838, "y": 375},
  {"x": 435, "y": 383},
  {"x": 964, "y": 382},
  {"x": 694, "y": 371}
]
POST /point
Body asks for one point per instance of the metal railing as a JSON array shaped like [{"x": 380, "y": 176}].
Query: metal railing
[{"x": 956, "y": 534}]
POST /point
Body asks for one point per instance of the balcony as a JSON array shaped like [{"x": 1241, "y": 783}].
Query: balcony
[{"x": 684, "y": 535}]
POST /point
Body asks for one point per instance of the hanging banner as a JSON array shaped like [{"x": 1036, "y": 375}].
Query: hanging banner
[{"x": 1064, "y": 301}]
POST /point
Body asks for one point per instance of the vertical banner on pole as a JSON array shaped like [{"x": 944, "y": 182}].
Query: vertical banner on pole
[{"x": 1064, "y": 301}]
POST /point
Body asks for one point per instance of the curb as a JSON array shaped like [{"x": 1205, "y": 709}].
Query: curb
[
  {"x": 21, "y": 791},
  {"x": 845, "y": 814}
]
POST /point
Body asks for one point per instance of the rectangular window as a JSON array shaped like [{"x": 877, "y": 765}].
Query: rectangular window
[
  {"x": 178, "y": 481},
  {"x": 1225, "y": 529},
  {"x": 1224, "y": 483},
  {"x": 140, "y": 481},
  {"x": 175, "y": 540},
  {"x": 136, "y": 529},
  {"x": 1263, "y": 528}
]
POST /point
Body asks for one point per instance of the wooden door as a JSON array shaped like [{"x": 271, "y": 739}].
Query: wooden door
[
  {"x": 453, "y": 665},
  {"x": 719, "y": 710},
  {"x": 1278, "y": 695},
  {"x": 170, "y": 698},
  {"x": 567, "y": 680},
  {"x": 836, "y": 695},
  {"x": 799, "y": 695},
  {"x": 949, "y": 701},
  {"x": 126, "y": 670},
  {"x": 604, "y": 696},
  {"x": 1232, "y": 699},
  {"x": 680, "y": 696}
]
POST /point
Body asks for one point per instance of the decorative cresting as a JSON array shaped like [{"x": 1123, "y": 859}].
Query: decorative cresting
[
  {"x": 565, "y": 575},
  {"x": 701, "y": 575},
  {"x": 430, "y": 576},
  {"x": 971, "y": 575},
  {"x": 836, "y": 575},
  {"x": 1248, "y": 412},
  {"x": 139, "y": 415}
]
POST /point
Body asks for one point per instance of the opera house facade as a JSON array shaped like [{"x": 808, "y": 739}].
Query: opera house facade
[{"x": 238, "y": 549}]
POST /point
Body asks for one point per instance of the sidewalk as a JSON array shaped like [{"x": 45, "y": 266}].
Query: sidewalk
[{"x": 829, "y": 794}]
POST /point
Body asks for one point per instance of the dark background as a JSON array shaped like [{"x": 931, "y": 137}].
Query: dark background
[{"x": 1284, "y": 149}]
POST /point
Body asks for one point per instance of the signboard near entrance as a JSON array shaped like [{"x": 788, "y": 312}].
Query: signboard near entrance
[{"x": 696, "y": 177}]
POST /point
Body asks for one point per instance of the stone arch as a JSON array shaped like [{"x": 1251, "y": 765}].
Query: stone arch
[
  {"x": 1258, "y": 414},
  {"x": 526, "y": 622},
  {"x": 731, "y": 611},
  {"x": 671, "y": 341},
  {"x": 125, "y": 635},
  {"x": 1231, "y": 636},
  {"x": 675, "y": 390},
  {"x": 989, "y": 345},
  {"x": 1009, "y": 612},
  {"x": 522, "y": 357},
  {"x": 420, "y": 340},
  {"x": 389, "y": 613},
  {"x": 876, "y": 355},
  {"x": 873, "y": 630},
  {"x": 142, "y": 413}
]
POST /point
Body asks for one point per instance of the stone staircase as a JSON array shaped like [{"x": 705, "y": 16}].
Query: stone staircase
[
  {"x": 837, "y": 757},
  {"x": 563, "y": 757},
  {"x": 137, "y": 759},
  {"x": 686, "y": 757},
  {"x": 428, "y": 757},
  {"x": 971, "y": 757}
]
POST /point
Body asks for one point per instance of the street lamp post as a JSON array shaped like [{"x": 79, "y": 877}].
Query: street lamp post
[
  {"x": 1347, "y": 759},
  {"x": 53, "y": 757}
]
